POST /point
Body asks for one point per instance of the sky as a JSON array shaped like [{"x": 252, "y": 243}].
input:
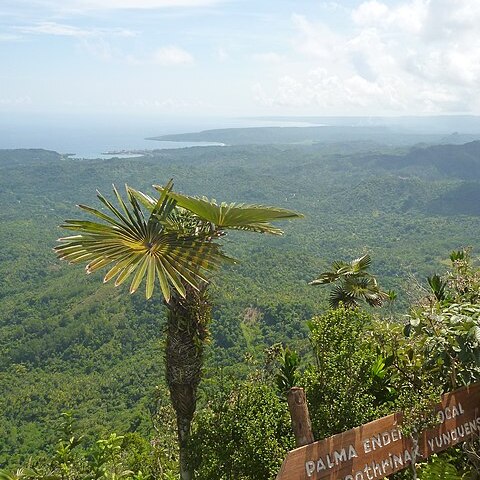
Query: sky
[{"x": 240, "y": 57}]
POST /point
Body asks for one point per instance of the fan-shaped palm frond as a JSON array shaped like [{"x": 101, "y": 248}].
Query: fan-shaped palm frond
[
  {"x": 341, "y": 269},
  {"x": 357, "y": 267},
  {"x": 339, "y": 266},
  {"x": 361, "y": 264},
  {"x": 235, "y": 216},
  {"x": 140, "y": 246},
  {"x": 179, "y": 219},
  {"x": 354, "y": 283},
  {"x": 339, "y": 295},
  {"x": 365, "y": 288},
  {"x": 324, "y": 278}
]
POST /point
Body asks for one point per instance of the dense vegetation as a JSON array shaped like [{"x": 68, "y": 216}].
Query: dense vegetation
[{"x": 66, "y": 344}]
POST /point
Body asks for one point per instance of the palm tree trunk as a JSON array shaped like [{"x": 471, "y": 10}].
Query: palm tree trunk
[{"x": 187, "y": 331}]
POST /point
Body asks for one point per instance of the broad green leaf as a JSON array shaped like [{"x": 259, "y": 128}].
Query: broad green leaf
[
  {"x": 140, "y": 273},
  {"x": 233, "y": 215},
  {"x": 150, "y": 284}
]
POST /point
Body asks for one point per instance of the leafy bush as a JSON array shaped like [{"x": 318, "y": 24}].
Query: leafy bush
[
  {"x": 111, "y": 458},
  {"x": 346, "y": 384},
  {"x": 244, "y": 435}
]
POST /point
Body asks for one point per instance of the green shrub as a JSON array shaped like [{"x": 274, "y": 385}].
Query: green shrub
[
  {"x": 243, "y": 436},
  {"x": 346, "y": 384}
]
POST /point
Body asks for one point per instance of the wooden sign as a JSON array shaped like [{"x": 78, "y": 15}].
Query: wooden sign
[{"x": 377, "y": 449}]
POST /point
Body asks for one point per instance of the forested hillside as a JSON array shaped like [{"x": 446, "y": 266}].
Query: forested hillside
[
  {"x": 69, "y": 343},
  {"x": 329, "y": 133}
]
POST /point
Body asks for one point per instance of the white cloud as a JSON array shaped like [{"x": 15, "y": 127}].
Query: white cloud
[
  {"x": 88, "y": 5},
  {"x": 57, "y": 29},
  {"x": 315, "y": 39},
  {"x": 370, "y": 13},
  {"x": 331, "y": 93},
  {"x": 64, "y": 30},
  {"x": 222, "y": 54},
  {"x": 172, "y": 55},
  {"x": 333, "y": 6},
  {"x": 95, "y": 41},
  {"x": 145, "y": 4},
  {"x": 418, "y": 56},
  {"x": 100, "y": 48},
  {"x": 9, "y": 37},
  {"x": 24, "y": 100}
]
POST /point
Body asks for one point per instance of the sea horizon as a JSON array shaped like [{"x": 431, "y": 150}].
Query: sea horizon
[{"x": 91, "y": 136}]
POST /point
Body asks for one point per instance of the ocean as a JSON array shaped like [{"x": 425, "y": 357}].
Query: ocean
[{"x": 93, "y": 136}]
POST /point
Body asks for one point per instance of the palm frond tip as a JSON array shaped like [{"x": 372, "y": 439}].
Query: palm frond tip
[{"x": 236, "y": 216}]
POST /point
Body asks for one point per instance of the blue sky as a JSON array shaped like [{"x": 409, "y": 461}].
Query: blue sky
[{"x": 240, "y": 57}]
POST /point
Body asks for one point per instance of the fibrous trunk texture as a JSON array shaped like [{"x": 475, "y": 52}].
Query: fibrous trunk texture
[{"x": 187, "y": 331}]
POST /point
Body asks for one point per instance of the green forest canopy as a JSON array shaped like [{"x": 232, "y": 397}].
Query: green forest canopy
[{"x": 66, "y": 344}]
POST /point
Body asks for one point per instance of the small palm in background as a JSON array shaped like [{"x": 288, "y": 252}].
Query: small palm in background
[
  {"x": 288, "y": 375},
  {"x": 352, "y": 284}
]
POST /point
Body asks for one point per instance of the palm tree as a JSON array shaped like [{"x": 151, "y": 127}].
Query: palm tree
[
  {"x": 172, "y": 239},
  {"x": 352, "y": 283}
]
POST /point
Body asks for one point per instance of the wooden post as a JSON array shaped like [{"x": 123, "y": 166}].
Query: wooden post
[{"x": 301, "y": 425}]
